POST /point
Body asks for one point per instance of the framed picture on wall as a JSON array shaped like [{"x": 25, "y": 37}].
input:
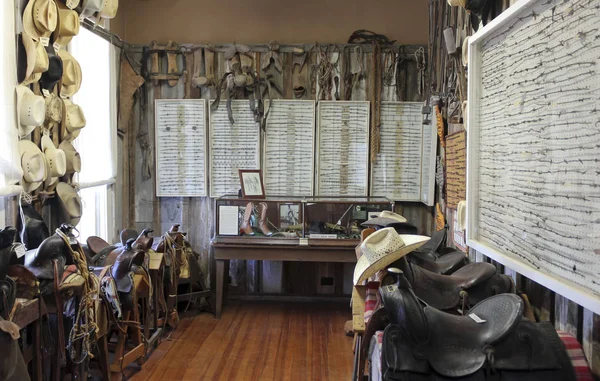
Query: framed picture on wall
[{"x": 251, "y": 182}]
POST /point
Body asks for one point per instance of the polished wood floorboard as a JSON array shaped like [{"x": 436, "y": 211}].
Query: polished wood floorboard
[{"x": 257, "y": 341}]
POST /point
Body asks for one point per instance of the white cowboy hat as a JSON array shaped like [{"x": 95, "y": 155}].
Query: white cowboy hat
[
  {"x": 37, "y": 57},
  {"x": 381, "y": 249},
  {"x": 110, "y": 9},
  {"x": 40, "y": 18},
  {"x": 384, "y": 219},
  {"x": 33, "y": 164},
  {"x": 68, "y": 25},
  {"x": 73, "y": 120},
  {"x": 71, "y": 77},
  {"x": 73, "y": 158},
  {"x": 31, "y": 110},
  {"x": 56, "y": 159},
  {"x": 89, "y": 7},
  {"x": 71, "y": 202}
]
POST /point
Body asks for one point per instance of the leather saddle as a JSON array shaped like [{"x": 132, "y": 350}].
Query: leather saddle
[
  {"x": 127, "y": 234},
  {"x": 34, "y": 230},
  {"x": 491, "y": 343},
  {"x": 8, "y": 287},
  {"x": 41, "y": 261},
  {"x": 441, "y": 264},
  {"x": 467, "y": 286}
]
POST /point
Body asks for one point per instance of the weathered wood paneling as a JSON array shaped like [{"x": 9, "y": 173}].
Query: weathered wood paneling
[{"x": 196, "y": 214}]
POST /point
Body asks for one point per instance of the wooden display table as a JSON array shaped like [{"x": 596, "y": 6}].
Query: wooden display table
[{"x": 275, "y": 249}]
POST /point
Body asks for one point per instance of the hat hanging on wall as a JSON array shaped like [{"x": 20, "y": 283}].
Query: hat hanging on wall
[
  {"x": 70, "y": 201},
  {"x": 68, "y": 25},
  {"x": 31, "y": 110},
  {"x": 89, "y": 7},
  {"x": 72, "y": 156},
  {"x": 73, "y": 120},
  {"x": 34, "y": 166},
  {"x": 53, "y": 111},
  {"x": 40, "y": 18},
  {"x": 56, "y": 159},
  {"x": 465, "y": 52},
  {"x": 110, "y": 9},
  {"x": 462, "y": 215},
  {"x": 37, "y": 58},
  {"x": 71, "y": 76},
  {"x": 54, "y": 73}
]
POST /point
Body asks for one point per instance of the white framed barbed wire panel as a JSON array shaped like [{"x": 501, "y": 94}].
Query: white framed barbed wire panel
[{"x": 533, "y": 145}]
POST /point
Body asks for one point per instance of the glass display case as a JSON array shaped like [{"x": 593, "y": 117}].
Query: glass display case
[{"x": 293, "y": 219}]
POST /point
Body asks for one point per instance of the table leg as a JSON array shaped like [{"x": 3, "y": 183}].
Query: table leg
[{"x": 220, "y": 287}]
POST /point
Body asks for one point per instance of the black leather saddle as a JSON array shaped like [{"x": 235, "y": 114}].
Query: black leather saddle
[
  {"x": 441, "y": 264},
  {"x": 8, "y": 288},
  {"x": 34, "y": 230},
  {"x": 491, "y": 343},
  {"x": 467, "y": 286},
  {"x": 41, "y": 260}
]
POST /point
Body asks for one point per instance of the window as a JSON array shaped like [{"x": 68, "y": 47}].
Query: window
[
  {"x": 10, "y": 162},
  {"x": 97, "y": 141}
]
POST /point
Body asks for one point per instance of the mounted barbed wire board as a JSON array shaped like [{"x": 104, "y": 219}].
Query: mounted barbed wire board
[
  {"x": 397, "y": 172},
  {"x": 232, "y": 147},
  {"x": 428, "y": 163},
  {"x": 180, "y": 142},
  {"x": 456, "y": 166},
  {"x": 534, "y": 145},
  {"x": 289, "y": 148},
  {"x": 342, "y": 148}
]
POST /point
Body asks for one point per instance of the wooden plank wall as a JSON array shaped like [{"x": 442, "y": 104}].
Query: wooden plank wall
[
  {"x": 445, "y": 77},
  {"x": 141, "y": 208}
]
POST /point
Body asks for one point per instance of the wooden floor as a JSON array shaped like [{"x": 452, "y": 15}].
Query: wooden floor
[{"x": 257, "y": 341}]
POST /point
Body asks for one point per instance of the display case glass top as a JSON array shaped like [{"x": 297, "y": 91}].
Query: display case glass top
[{"x": 280, "y": 220}]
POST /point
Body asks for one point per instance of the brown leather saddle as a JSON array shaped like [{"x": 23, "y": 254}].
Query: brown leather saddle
[
  {"x": 491, "y": 343},
  {"x": 8, "y": 287},
  {"x": 466, "y": 287}
]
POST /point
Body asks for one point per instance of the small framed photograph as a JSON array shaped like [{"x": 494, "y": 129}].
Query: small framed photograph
[
  {"x": 252, "y": 184},
  {"x": 289, "y": 215}
]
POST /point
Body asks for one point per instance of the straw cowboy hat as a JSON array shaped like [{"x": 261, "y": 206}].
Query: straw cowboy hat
[
  {"x": 110, "y": 9},
  {"x": 72, "y": 4},
  {"x": 31, "y": 110},
  {"x": 71, "y": 76},
  {"x": 73, "y": 120},
  {"x": 89, "y": 7},
  {"x": 40, "y": 18},
  {"x": 72, "y": 156},
  {"x": 68, "y": 25},
  {"x": 53, "y": 110},
  {"x": 384, "y": 219},
  {"x": 381, "y": 249},
  {"x": 37, "y": 58},
  {"x": 70, "y": 201},
  {"x": 34, "y": 166},
  {"x": 56, "y": 159}
]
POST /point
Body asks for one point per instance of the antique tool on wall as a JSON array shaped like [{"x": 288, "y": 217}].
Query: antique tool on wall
[
  {"x": 208, "y": 79},
  {"x": 272, "y": 57},
  {"x": 156, "y": 52}
]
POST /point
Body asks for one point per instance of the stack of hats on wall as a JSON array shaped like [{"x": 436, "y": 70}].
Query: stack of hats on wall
[{"x": 44, "y": 97}]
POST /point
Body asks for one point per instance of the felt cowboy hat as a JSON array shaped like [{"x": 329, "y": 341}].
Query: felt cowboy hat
[
  {"x": 34, "y": 166},
  {"x": 31, "y": 110},
  {"x": 56, "y": 159},
  {"x": 70, "y": 201},
  {"x": 72, "y": 156},
  {"x": 37, "y": 58},
  {"x": 384, "y": 218},
  {"x": 40, "y": 18},
  {"x": 54, "y": 73},
  {"x": 110, "y": 9},
  {"x": 382, "y": 248},
  {"x": 73, "y": 120},
  {"x": 89, "y": 7},
  {"x": 71, "y": 76},
  {"x": 68, "y": 25}
]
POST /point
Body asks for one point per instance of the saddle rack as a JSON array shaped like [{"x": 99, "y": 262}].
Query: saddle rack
[{"x": 156, "y": 54}]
